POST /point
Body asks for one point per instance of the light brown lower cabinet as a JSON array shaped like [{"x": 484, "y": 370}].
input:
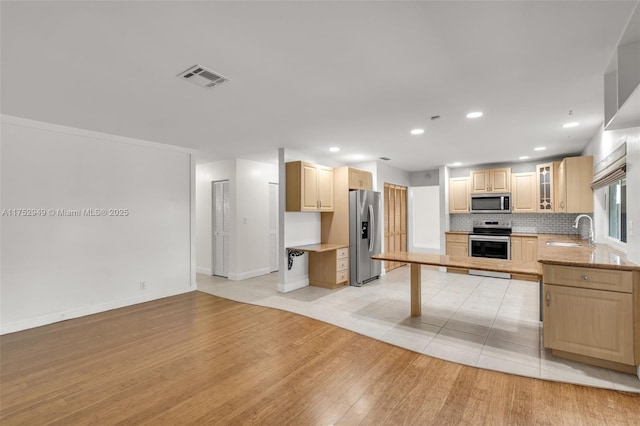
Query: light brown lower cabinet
[
  {"x": 588, "y": 315},
  {"x": 524, "y": 249},
  {"x": 457, "y": 245},
  {"x": 329, "y": 269}
]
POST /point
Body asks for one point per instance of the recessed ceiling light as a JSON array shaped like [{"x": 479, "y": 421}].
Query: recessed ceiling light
[
  {"x": 474, "y": 114},
  {"x": 540, "y": 148},
  {"x": 524, "y": 157},
  {"x": 456, "y": 164},
  {"x": 572, "y": 124},
  {"x": 334, "y": 149},
  {"x": 358, "y": 157},
  {"x": 417, "y": 131}
]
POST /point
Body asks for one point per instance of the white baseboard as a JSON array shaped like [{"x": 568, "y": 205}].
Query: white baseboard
[
  {"x": 285, "y": 288},
  {"x": 206, "y": 271},
  {"x": 88, "y": 310},
  {"x": 250, "y": 274}
]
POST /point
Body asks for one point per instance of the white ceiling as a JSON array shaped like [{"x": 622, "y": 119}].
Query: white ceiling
[{"x": 310, "y": 75}]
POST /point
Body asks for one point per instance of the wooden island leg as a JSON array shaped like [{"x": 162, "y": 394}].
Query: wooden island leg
[{"x": 416, "y": 290}]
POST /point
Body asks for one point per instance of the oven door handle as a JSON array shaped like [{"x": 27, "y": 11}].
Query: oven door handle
[{"x": 489, "y": 238}]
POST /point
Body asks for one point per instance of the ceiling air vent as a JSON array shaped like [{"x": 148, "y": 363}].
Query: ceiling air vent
[
  {"x": 203, "y": 77},
  {"x": 385, "y": 158}
]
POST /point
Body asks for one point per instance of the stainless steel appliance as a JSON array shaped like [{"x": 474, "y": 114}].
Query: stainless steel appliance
[
  {"x": 492, "y": 239},
  {"x": 365, "y": 223},
  {"x": 491, "y": 203}
]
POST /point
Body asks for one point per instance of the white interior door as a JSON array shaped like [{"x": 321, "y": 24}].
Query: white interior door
[
  {"x": 221, "y": 228},
  {"x": 273, "y": 226}
]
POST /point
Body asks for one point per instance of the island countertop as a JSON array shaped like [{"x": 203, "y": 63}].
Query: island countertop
[{"x": 478, "y": 263}]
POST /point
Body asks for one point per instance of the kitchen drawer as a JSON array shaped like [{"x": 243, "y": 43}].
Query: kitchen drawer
[
  {"x": 457, "y": 238},
  {"x": 597, "y": 279},
  {"x": 342, "y": 253},
  {"x": 342, "y": 264},
  {"x": 342, "y": 276}
]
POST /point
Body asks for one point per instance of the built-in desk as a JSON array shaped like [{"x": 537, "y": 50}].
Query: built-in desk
[{"x": 328, "y": 263}]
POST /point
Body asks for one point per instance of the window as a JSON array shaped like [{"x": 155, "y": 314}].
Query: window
[{"x": 618, "y": 210}]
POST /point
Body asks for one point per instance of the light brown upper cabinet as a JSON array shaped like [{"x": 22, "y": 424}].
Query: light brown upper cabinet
[
  {"x": 360, "y": 179},
  {"x": 574, "y": 193},
  {"x": 309, "y": 187},
  {"x": 490, "y": 180},
  {"x": 459, "y": 195},
  {"x": 547, "y": 186},
  {"x": 523, "y": 192},
  {"x": 334, "y": 226}
]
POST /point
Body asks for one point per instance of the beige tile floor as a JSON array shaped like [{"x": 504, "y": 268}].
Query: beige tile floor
[{"x": 482, "y": 322}]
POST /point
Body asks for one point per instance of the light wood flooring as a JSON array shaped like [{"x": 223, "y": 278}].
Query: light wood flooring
[{"x": 200, "y": 359}]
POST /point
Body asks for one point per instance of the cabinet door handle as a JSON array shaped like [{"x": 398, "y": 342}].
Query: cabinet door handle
[
  {"x": 585, "y": 277},
  {"x": 548, "y": 298}
]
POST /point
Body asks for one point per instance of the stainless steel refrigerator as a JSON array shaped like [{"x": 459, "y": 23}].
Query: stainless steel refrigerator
[{"x": 365, "y": 224}]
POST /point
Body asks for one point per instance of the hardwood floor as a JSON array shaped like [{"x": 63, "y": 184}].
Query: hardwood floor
[{"x": 200, "y": 359}]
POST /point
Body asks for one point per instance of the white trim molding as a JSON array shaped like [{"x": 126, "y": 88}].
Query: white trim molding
[{"x": 88, "y": 310}]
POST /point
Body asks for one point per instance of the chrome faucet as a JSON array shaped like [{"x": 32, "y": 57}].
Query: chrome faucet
[{"x": 592, "y": 241}]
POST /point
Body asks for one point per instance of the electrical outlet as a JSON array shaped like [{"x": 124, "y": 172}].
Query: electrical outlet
[{"x": 143, "y": 285}]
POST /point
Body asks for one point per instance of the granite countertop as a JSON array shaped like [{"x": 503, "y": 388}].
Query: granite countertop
[
  {"x": 479, "y": 263},
  {"x": 593, "y": 256}
]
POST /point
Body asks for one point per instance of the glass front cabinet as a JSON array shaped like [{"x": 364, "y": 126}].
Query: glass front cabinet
[{"x": 545, "y": 191}]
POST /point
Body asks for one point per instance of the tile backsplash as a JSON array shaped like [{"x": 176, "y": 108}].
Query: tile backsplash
[{"x": 526, "y": 223}]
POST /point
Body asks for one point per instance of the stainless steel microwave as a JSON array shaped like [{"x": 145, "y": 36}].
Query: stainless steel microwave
[{"x": 491, "y": 203}]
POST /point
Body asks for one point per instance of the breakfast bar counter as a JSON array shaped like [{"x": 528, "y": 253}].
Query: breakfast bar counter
[{"x": 416, "y": 260}]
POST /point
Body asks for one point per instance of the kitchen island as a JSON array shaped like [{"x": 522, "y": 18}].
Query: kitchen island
[
  {"x": 416, "y": 260},
  {"x": 589, "y": 296}
]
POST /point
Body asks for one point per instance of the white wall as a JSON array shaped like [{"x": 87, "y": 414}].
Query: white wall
[
  {"x": 602, "y": 144},
  {"x": 251, "y": 254},
  {"x": 205, "y": 175},
  {"x": 390, "y": 174},
  {"x": 59, "y": 267},
  {"x": 424, "y": 219},
  {"x": 248, "y": 227}
]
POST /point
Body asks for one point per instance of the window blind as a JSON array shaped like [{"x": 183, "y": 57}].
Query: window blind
[{"x": 611, "y": 169}]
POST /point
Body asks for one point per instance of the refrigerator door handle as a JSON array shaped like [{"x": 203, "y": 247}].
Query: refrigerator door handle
[{"x": 371, "y": 228}]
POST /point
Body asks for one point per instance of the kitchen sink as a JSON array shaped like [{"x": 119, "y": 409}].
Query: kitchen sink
[{"x": 563, "y": 244}]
